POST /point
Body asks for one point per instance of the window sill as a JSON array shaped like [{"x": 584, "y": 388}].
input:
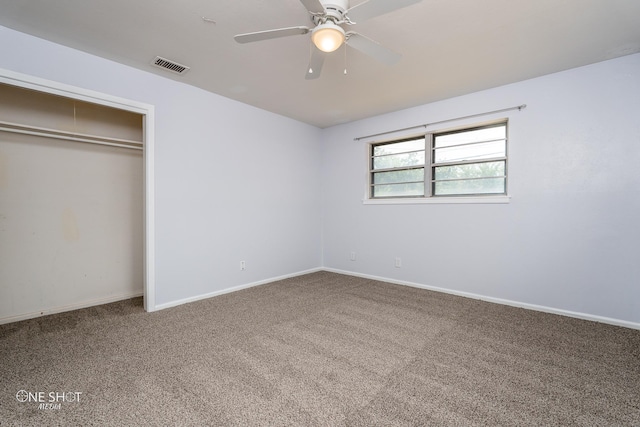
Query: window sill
[{"x": 440, "y": 200}]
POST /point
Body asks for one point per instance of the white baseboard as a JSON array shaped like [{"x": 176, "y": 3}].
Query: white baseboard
[
  {"x": 70, "y": 307},
  {"x": 544, "y": 309},
  {"x": 114, "y": 298},
  {"x": 234, "y": 289}
]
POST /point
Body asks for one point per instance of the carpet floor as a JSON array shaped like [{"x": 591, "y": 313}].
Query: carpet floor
[{"x": 318, "y": 350}]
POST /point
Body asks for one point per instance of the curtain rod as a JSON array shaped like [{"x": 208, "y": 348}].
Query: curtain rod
[{"x": 519, "y": 108}]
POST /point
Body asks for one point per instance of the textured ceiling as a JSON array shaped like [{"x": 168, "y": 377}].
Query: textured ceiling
[{"x": 448, "y": 47}]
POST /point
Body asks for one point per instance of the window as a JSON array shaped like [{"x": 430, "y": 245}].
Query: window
[{"x": 463, "y": 162}]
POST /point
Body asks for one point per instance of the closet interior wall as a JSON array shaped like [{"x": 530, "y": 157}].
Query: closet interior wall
[{"x": 71, "y": 213}]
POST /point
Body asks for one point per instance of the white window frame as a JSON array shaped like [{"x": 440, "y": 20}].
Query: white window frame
[{"x": 429, "y": 198}]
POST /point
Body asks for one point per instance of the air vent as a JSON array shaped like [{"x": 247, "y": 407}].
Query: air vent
[{"x": 169, "y": 65}]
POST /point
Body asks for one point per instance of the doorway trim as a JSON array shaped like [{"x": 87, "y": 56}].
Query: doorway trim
[{"x": 148, "y": 127}]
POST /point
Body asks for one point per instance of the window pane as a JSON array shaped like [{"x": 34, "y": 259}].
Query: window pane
[
  {"x": 478, "y": 135},
  {"x": 398, "y": 176},
  {"x": 486, "y": 150},
  {"x": 399, "y": 160},
  {"x": 399, "y": 147},
  {"x": 474, "y": 170},
  {"x": 399, "y": 190},
  {"x": 475, "y": 186}
]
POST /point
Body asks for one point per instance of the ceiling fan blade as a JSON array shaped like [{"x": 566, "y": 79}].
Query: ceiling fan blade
[
  {"x": 372, "y": 48},
  {"x": 271, "y": 34},
  {"x": 372, "y": 8},
  {"x": 313, "y": 6},
  {"x": 315, "y": 64}
]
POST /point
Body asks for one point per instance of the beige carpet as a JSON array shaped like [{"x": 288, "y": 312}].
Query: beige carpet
[{"x": 321, "y": 349}]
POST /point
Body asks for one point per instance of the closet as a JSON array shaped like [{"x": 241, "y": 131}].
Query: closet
[{"x": 71, "y": 203}]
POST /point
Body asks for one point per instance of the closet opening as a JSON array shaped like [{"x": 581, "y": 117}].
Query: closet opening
[{"x": 76, "y": 218}]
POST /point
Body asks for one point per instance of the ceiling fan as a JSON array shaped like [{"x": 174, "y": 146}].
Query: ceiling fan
[{"x": 329, "y": 19}]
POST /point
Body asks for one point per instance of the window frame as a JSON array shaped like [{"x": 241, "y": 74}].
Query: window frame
[
  {"x": 372, "y": 158},
  {"x": 429, "y": 168}
]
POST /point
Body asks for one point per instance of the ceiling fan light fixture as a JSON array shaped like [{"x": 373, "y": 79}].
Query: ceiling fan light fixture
[{"x": 328, "y": 37}]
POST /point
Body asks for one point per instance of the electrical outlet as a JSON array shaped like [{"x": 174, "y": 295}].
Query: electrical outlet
[
  {"x": 352, "y": 256},
  {"x": 398, "y": 262},
  {"x": 243, "y": 265}
]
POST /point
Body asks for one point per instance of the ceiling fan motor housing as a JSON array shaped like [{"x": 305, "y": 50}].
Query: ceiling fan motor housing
[{"x": 335, "y": 8}]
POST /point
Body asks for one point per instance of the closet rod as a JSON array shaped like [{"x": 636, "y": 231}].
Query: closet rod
[
  {"x": 69, "y": 136},
  {"x": 519, "y": 107}
]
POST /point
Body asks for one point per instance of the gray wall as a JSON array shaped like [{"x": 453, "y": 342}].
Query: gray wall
[{"x": 568, "y": 239}]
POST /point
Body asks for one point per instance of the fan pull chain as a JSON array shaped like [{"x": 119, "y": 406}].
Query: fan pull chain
[{"x": 345, "y": 59}]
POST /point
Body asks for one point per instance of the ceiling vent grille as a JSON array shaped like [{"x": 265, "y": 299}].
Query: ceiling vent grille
[{"x": 169, "y": 65}]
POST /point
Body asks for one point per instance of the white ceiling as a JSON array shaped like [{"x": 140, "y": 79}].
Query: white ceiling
[{"x": 449, "y": 47}]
